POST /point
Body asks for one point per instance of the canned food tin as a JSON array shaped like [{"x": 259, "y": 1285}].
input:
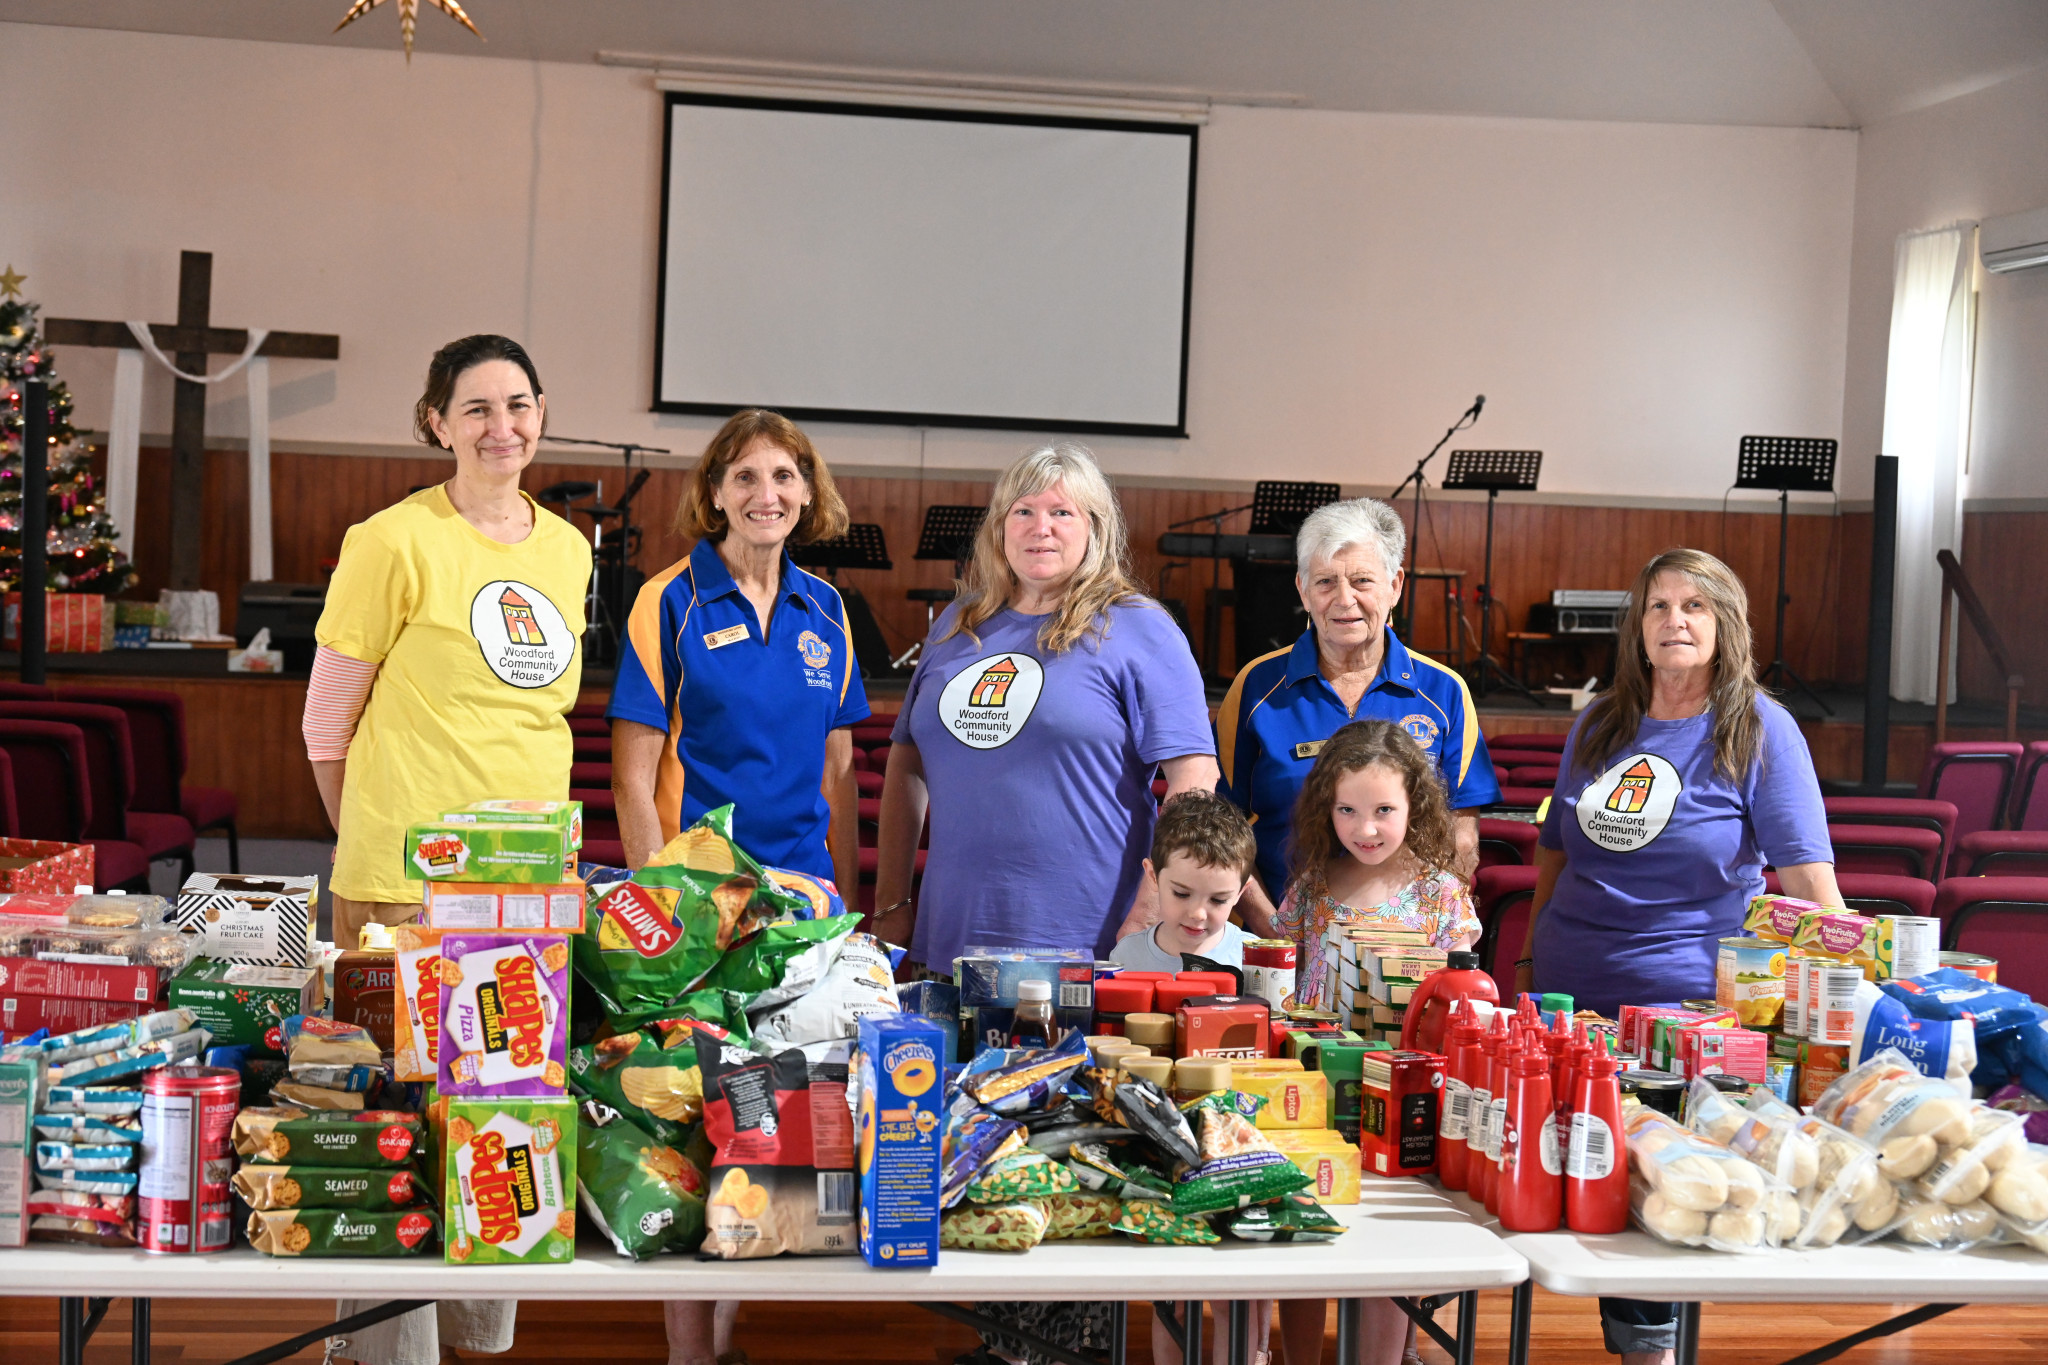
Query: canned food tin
[
  {"x": 1983, "y": 968},
  {"x": 1831, "y": 1002},
  {"x": 188, "y": 1113},
  {"x": 1269, "y": 970},
  {"x": 1749, "y": 978},
  {"x": 1794, "y": 1021}
]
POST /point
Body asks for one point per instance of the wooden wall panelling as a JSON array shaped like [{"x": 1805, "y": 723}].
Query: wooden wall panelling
[{"x": 2006, "y": 556}]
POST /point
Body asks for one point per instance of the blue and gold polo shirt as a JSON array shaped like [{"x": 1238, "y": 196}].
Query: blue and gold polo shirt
[
  {"x": 746, "y": 714},
  {"x": 1279, "y": 710}
]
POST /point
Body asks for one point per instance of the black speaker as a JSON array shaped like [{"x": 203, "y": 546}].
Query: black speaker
[{"x": 1269, "y": 614}]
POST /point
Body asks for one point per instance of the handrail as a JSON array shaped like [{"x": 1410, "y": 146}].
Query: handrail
[{"x": 1955, "y": 585}]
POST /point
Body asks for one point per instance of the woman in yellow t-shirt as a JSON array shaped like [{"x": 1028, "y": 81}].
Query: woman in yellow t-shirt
[{"x": 450, "y": 645}]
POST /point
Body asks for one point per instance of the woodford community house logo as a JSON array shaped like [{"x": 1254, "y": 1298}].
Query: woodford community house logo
[
  {"x": 987, "y": 702},
  {"x": 524, "y": 638},
  {"x": 1628, "y": 805}
]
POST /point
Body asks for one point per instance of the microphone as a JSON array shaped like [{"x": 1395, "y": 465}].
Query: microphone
[{"x": 1477, "y": 404}]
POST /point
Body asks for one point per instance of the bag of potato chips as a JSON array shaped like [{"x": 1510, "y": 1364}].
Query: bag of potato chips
[
  {"x": 782, "y": 1175},
  {"x": 644, "y": 1196},
  {"x": 653, "y": 938},
  {"x": 782, "y": 961},
  {"x": 661, "y": 1091}
]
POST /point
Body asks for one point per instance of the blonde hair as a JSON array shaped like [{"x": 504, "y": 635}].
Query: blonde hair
[
  {"x": 1102, "y": 581},
  {"x": 1616, "y": 714}
]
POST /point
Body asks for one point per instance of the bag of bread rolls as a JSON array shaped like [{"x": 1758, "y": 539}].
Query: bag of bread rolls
[
  {"x": 2019, "y": 1193},
  {"x": 1832, "y": 1175},
  {"x": 1688, "y": 1190}
]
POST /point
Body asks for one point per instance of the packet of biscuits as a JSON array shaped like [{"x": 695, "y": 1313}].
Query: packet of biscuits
[
  {"x": 331, "y": 1054},
  {"x": 340, "y": 1232},
  {"x": 326, "y": 1137},
  {"x": 508, "y": 1183},
  {"x": 504, "y": 1015},
  {"x": 416, "y": 1018},
  {"x": 653, "y": 937},
  {"x": 327, "y": 1187}
]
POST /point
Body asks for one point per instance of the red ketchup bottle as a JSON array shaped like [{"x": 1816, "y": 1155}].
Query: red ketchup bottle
[
  {"x": 1490, "y": 1044},
  {"x": 1571, "y": 1066},
  {"x": 1596, "y": 1167},
  {"x": 1496, "y": 1118},
  {"x": 1451, "y": 1150},
  {"x": 1531, "y": 1169},
  {"x": 1429, "y": 1009}
]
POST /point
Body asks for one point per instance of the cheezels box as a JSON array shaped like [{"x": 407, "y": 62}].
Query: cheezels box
[
  {"x": 455, "y": 851},
  {"x": 504, "y": 1015},
  {"x": 509, "y": 1181},
  {"x": 898, "y": 1059}
]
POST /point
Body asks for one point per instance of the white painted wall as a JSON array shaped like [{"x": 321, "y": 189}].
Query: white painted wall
[
  {"x": 1631, "y": 298},
  {"x": 1975, "y": 157}
]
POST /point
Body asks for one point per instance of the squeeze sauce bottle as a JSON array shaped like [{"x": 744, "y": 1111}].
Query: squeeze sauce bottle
[
  {"x": 1429, "y": 1009},
  {"x": 1531, "y": 1190},
  {"x": 1451, "y": 1150},
  {"x": 1496, "y": 1119},
  {"x": 1570, "y": 1068},
  {"x": 1482, "y": 1095},
  {"x": 1596, "y": 1168}
]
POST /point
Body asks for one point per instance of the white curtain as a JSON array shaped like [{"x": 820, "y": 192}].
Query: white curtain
[
  {"x": 1926, "y": 425},
  {"x": 124, "y": 438}
]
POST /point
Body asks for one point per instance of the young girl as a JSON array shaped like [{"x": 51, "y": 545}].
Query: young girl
[{"x": 1372, "y": 845}]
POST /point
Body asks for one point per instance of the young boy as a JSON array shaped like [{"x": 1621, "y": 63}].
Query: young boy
[{"x": 1202, "y": 857}]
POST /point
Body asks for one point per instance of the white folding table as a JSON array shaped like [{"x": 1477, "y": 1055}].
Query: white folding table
[{"x": 1407, "y": 1240}]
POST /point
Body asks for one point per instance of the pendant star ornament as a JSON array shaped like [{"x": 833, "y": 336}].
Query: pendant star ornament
[
  {"x": 10, "y": 283},
  {"x": 408, "y": 17}
]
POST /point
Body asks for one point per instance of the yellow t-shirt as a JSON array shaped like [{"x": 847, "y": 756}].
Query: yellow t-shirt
[{"x": 480, "y": 651}]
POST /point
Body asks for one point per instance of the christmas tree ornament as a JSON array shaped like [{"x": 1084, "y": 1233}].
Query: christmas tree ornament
[
  {"x": 408, "y": 17},
  {"x": 10, "y": 283}
]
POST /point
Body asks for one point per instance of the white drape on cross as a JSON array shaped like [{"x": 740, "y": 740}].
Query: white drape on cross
[{"x": 124, "y": 439}]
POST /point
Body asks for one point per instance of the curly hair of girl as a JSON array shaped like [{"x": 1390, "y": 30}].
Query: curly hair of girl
[{"x": 1362, "y": 744}]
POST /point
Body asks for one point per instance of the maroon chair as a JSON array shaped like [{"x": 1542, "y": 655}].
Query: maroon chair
[
  {"x": 2030, "y": 797},
  {"x": 598, "y": 775},
  {"x": 1548, "y": 743},
  {"x": 54, "y": 798},
  {"x": 1870, "y": 893},
  {"x": 1976, "y": 776},
  {"x": 2001, "y": 917},
  {"x": 603, "y": 852},
  {"x": 600, "y": 814},
  {"x": 1502, "y": 895},
  {"x": 1506, "y": 757},
  {"x": 870, "y": 866},
  {"x": 156, "y": 732},
  {"x": 10, "y": 809},
  {"x": 1530, "y": 775},
  {"x": 1506, "y": 843},
  {"x": 1909, "y": 812},
  {"x": 1515, "y": 797},
  {"x": 870, "y": 783},
  {"x": 2003, "y": 853},
  {"x": 590, "y": 725},
  {"x": 21, "y": 691},
  {"x": 110, "y": 776},
  {"x": 1889, "y": 850},
  {"x": 1500, "y": 776}
]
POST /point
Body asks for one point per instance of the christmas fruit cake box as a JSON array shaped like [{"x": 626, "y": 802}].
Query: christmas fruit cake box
[
  {"x": 509, "y": 1182},
  {"x": 504, "y": 1026},
  {"x": 262, "y": 921},
  {"x": 566, "y": 814},
  {"x": 454, "y": 851}
]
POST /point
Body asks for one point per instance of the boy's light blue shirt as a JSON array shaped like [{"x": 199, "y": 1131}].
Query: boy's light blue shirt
[{"x": 1142, "y": 953}]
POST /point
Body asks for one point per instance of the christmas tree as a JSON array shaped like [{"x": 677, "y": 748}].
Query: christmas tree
[{"x": 82, "y": 549}]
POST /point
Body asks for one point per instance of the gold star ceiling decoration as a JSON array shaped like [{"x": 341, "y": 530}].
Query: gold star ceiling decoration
[{"x": 408, "y": 17}]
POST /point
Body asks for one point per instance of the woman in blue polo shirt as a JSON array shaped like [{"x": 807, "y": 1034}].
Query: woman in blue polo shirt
[
  {"x": 738, "y": 684},
  {"x": 1348, "y": 665}
]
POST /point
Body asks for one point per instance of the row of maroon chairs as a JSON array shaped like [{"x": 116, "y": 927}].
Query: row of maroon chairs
[{"x": 105, "y": 766}]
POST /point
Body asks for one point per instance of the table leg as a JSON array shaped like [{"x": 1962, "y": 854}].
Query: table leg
[
  {"x": 70, "y": 1331},
  {"x": 1191, "y": 1335},
  {"x": 1468, "y": 1326},
  {"x": 1522, "y": 1307},
  {"x": 1240, "y": 1349},
  {"x": 1688, "y": 1352},
  {"x": 1347, "y": 1331},
  {"x": 138, "y": 1332},
  {"x": 1119, "y": 1332}
]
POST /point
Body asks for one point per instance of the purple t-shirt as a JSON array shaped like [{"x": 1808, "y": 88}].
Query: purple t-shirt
[
  {"x": 1040, "y": 769},
  {"x": 1663, "y": 855}
]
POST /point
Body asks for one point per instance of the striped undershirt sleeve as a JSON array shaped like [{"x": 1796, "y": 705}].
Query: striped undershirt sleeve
[{"x": 335, "y": 697}]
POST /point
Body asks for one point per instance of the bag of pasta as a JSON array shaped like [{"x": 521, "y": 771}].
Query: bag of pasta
[
  {"x": 1689, "y": 1190},
  {"x": 2019, "y": 1192}
]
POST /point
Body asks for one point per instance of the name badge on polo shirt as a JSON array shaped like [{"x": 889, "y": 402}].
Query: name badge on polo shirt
[
  {"x": 1310, "y": 749},
  {"x": 719, "y": 639}
]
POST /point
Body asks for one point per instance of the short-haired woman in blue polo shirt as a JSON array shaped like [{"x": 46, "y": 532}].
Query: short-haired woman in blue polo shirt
[{"x": 737, "y": 683}]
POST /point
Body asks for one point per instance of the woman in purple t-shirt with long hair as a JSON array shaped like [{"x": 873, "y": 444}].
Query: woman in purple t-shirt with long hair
[{"x": 1678, "y": 784}]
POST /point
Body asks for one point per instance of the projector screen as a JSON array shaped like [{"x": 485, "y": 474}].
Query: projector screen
[{"x": 924, "y": 267}]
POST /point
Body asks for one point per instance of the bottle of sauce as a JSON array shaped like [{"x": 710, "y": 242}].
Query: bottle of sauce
[
  {"x": 1571, "y": 1065},
  {"x": 1032, "y": 1024},
  {"x": 1429, "y": 1009},
  {"x": 1531, "y": 1189},
  {"x": 1497, "y": 1118},
  {"x": 1482, "y": 1094},
  {"x": 1451, "y": 1151},
  {"x": 1596, "y": 1167}
]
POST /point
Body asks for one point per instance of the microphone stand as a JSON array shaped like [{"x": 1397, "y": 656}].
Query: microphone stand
[
  {"x": 1415, "y": 477},
  {"x": 1212, "y": 610},
  {"x": 617, "y": 606}
]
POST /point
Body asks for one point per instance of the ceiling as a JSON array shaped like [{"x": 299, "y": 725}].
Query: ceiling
[{"x": 1798, "y": 63}]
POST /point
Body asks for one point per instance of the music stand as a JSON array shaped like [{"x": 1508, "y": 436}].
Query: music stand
[
  {"x": 862, "y": 547},
  {"x": 1788, "y": 464},
  {"x": 1493, "y": 470},
  {"x": 1279, "y": 507},
  {"x": 948, "y": 533}
]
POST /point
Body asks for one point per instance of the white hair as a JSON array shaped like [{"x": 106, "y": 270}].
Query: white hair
[{"x": 1357, "y": 521}]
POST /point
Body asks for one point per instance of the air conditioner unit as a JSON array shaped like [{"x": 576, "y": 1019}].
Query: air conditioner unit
[{"x": 2018, "y": 241}]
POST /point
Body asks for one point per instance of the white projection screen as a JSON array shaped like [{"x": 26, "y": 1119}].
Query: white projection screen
[{"x": 924, "y": 267}]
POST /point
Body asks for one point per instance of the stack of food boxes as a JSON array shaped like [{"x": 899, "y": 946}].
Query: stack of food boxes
[
  {"x": 21, "y": 1079},
  {"x": 482, "y": 1008},
  {"x": 1375, "y": 972},
  {"x": 330, "y": 1182}
]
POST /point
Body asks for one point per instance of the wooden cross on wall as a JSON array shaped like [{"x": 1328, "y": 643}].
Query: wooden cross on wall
[{"x": 192, "y": 339}]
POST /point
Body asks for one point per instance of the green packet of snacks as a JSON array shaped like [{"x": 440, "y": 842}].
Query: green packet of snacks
[
  {"x": 781, "y": 962},
  {"x": 993, "y": 1227},
  {"x": 326, "y": 1137},
  {"x": 1099, "y": 1168},
  {"x": 1081, "y": 1214},
  {"x": 660, "y": 1090},
  {"x": 326, "y": 1187},
  {"x": 339, "y": 1232},
  {"x": 645, "y": 1197},
  {"x": 1148, "y": 1222},
  {"x": 1291, "y": 1218},
  {"x": 1027, "y": 1175},
  {"x": 1239, "y": 1165}
]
